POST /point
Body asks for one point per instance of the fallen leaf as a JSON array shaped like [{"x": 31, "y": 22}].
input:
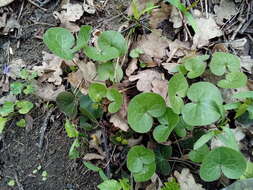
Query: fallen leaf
[
  {"x": 72, "y": 12},
  {"x": 88, "y": 6},
  {"x": 5, "y": 2},
  {"x": 88, "y": 70},
  {"x": 226, "y": 10},
  {"x": 76, "y": 81},
  {"x": 132, "y": 141},
  {"x": 170, "y": 67},
  {"x": 175, "y": 18},
  {"x": 186, "y": 180},
  {"x": 159, "y": 15},
  {"x": 247, "y": 63},
  {"x": 96, "y": 141},
  {"x": 93, "y": 156},
  {"x": 131, "y": 67},
  {"x": 160, "y": 87},
  {"x": 119, "y": 122},
  {"x": 65, "y": 23},
  {"x": 145, "y": 79},
  {"x": 204, "y": 34},
  {"x": 48, "y": 92},
  {"x": 178, "y": 49},
  {"x": 238, "y": 44}
]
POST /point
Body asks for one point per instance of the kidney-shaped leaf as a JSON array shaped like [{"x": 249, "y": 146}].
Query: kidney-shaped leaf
[
  {"x": 97, "y": 92},
  {"x": 66, "y": 103},
  {"x": 222, "y": 62},
  {"x": 222, "y": 160},
  {"x": 233, "y": 80},
  {"x": 141, "y": 110},
  {"x": 60, "y": 41},
  {"x": 206, "y": 106}
]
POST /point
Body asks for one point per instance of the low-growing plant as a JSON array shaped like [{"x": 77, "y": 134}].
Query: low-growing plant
[{"x": 192, "y": 102}]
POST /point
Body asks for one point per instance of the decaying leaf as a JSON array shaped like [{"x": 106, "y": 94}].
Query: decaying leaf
[
  {"x": 159, "y": 15},
  {"x": 175, "y": 18},
  {"x": 48, "y": 91},
  {"x": 170, "y": 67},
  {"x": 247, "y": 63},
  {"x": 96, "y": 141},
  {"x": 226, "y": 10},
  {"x": 132, "y": 67},
  {"x": 3, "y": 20},
  {"x": 5, "y": 2},
  {"x": 211, "y": 30},
  {"x": 88, "y": 70},
  {"x": 145, "y": 79},
  {"x": 119, "y": 122},
  {"x": 132, "y": 141},
  {"x": 65, "y": 23},
  {"x": 160, "y": 87},
  {"x": 88, "y": 6},
  {"x": 72, "y": 12},
  {"x": 76, "y": 81},
  {"x": 178, "y": 49},
  {"x": 186, "y": 180},
  {"x": 93, "y": 156}
]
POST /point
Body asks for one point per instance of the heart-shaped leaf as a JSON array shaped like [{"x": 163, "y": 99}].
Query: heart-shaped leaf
[
  {"x": 222, "y": 160},
  {"x": 141, "y": 110},
  {"x": 177, "y": 88},
  {"x": 222, "y": 62},
  {"x": 141, "y": 162},
  {"x": 97, "y": 92},
  {"x": 199, "y": 154},
  {"x": 24, "y": 106},
  {"x": 195, "y": 65},
  {"x": 16, "y": 88},
  {"x": 206, "y": 106},
  {"x": 60, "y": 41},
  {"x": 233, "y": 80},
  {"x": 66, "y": 102},
  {"x": 162, "y": 154},
  {"x": 116, "y": 98}
]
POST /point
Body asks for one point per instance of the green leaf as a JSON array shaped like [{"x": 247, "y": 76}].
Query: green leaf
[
  {"x": 29, "y": 89},
  {"x": 222, "y": 160},
  {"x": 125, "y": 184},
  {"x": 67, "y": 103},
  {"x": 177, "y": 88},
  {"x": 91, "y": 166},
  {"x": 243, "y": 95},
  {"x": 97, "y": 92},
  {"x": 168, "y": 122},
  {"x": 3, "y": 122},
  {"x": 11, "y": 183},
  {"x": 233, "y": 80},
  {"x": 171, "y": 185},
  {"x": 135, "y": 53},
  {"x": 195, "y": 65},
  {"x": 73, "y": 152},
  {"x": 71, "y": 129},
  {"x": 105, "y": 55},
  {"x": 60, "y": 41},
  {"x": 83, "y": 37},
  {"x": 21, "y": 123},
  {"x": 248, "y": 173},
  {"x": 110, "y": 185},
  {"x": 141, "y": 162},
  {"x": 7, "y": 108},
  {"x": 199, "y": 154},
  {"x": 141, "y": 110},
  {"x": 180, "y": 131},
  {"x": 24, "y": 106},
  {"x": 227, "y": 137},
  {"x": 116, "y": 98},
  {"x": 204, "y": 139},
  {"x": 110, "y": 71},
  {"x": 206, "y": 106},
  {"x": 16, "y": 88},
  {"x": 162, "y": 154},
  {"x": 224, "y": 62},
  {"x": 245, "y": 184},
  {"x": 232, "y": 106}
]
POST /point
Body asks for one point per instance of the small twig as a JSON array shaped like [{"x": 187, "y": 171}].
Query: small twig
[
  {"x": 20, "y": 186},
  {"x": 36, "y": 5},
  {"x": 44, "y": 127},
  {"x": 238, "y": 29}
]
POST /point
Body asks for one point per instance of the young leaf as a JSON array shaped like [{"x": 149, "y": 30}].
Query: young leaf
[
  {"x": 243, "y": 95},
  {"x": 171, "y": 185},
  {"x": 3, "y": 122},
  {"x": 177, "y": 88},
  {"x": 16, "y": 88},
  {"x": 125, "y": 184},
  {"x": 24, "y": 106},
  {"x": 141, "y": 162},
  {"x": 227, "y": 137},
  {"x": 116, "y": 98},
  {"x": 136, "y": 52},
  {"x": 233, "y": 80},
  {"x": 203, "y": 140},
  {"x": 195, "y": 65},
  {"x": 248, "y": 173},
  {"x": 71, "y": 129},
  {"x": 73, "y": 152},
  {"x": 222, "y": 160},
  {"x": 222, "y": 62},
  {"x": 141, "y": 110},
  {"x": 7, "y": 108},
  {"x": 91, "y": 166},
  {"x": 199, "y": 154},
  {"x": 83, "y": 37},
  {"x": 110, "y": 71},
  {"x": 29, "y": 89},
  {"x": 110, "y": 185},
  {"x": 162, "y": 154},
  {"x": 97, "y": 92},
  {"x": 21, "y": 123},
  {"x": 60, "y": 41},
  {"x": 66, "y": 102},
  {"x": 206, "y": 106}
]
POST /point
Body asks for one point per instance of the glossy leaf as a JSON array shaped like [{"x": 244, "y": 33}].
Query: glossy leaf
[
  {"x": 141, "y": 110},
  {"x": 116, "y": 98},
  {"x": 243, "y": 95},
  {"x": 222, "y": 160},
  {"x": 233, "y": 80},
  {"x": 66, "y": 102},
  {"x": 60, "y": 41},
  {"x": 97, "y": 92}
]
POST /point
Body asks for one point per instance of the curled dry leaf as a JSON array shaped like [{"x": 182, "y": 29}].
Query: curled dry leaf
[
  {"x": 145, "y": 79},
  {"x": 132, "y": 142},
  {"x": 159, "y": 15},
  {"x": 88, "y": 6},
  {"x": 96, "y": 141},
  {"x": 132, "y": 67},
  {"x": 186, "y": 180},
  {"x": 226, "y": 10},
  {"x": 119, "y": 122},
  {"x": 93, "y": 156},
  {"x": 204, "y": 34},
  {"x": 76, "y": 81},
  {"x": 178, "y": 49},
  {"x": 88, "y": 70},
  {"x": 48, "y": 92}
]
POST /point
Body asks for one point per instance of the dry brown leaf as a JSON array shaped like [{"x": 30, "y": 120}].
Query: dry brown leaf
[
  {"x": 88, "y": 6},
  {"x": 93, "y": 156},
  {"x": 76, "y": 80},
  {"x": 51, "y": 67},
  {"x": 96, "y": 141},
  {"x": 178, "y": 49},
  {"x": 204, "y": 34},
  {"x": 72, "y": 12},
  {"x": 226, "y": 10},
  {"x": 187, "y": 181},
  {"x": 132, "y": 67},
  {"x": 145, "y": 79},
  {"x": 132, "y": 142},
  {"x": 119, "y": 122},
  {"x": 175, "y": 18},
  {"x": 170, "y": 67},
  {"x": 48, "y": 91},
  {"x": 159, "y": 15},
  {"x": 160, "y": 87}
]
